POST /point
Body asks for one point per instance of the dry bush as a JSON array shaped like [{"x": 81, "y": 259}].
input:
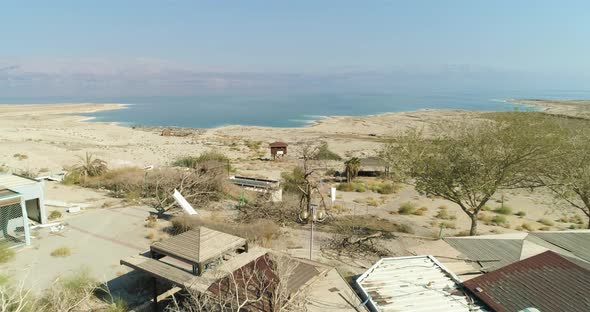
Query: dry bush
[
  {"x": 407, "y": 208},
  {"x": 444, "y": 214},
  {"x": 150, "y": 236},
  {"x": 55, "y": 214},
  {"x": 61, "y": 252},
  {"x": 420, "y": 211},
  {"x": 528, "y": 227},
  {"x": 6, "y": 254},
  {"x": 359, "y": 235},
  {"x": 260, "y": 231},
  {"x": 546, "y": 222},
  {"x": 151, "y": 221},
  {"x": 284, "y": 212},
  {"x": 198, "y": 187}
]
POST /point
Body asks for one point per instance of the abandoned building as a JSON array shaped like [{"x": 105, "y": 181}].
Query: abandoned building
[{"x": 278, "y": 149}]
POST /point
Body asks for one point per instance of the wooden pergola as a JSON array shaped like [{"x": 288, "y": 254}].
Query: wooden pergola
[{"x": 196, "y": 248}]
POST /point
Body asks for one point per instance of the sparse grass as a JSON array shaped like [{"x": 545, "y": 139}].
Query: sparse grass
[
  {"x": 546, "y": 222},
  {"x": 444, "y": 214},
  {"x": 420, "y": 211},
  {"x": 253, "y": 145},
  {"x": 151, "y": 236},
  {"x": 193, "y": 162},
  {"x": 20, "y": 156},
  {"x": 54, "y": 214},
  {"x": 352, "y": 187},
  {"x": 499, "y": 220},
  {"x": 324, "y": 153},
  {"x": 486, "y": 208},
  {"x": 464, "y": 233},
  {"x": 449, "y": 225},
  {"x": 6, "y": 254},
  {"x": 407, "y": 208},
  {"x": 503, "y": 210},
  {"x": 118, "y": 305},
  {"x": 61, "y": 252},
  {"x": 520, "y": 214},
  {"x": 382, "y": 187},
  {"x": 545, "y": 228}
]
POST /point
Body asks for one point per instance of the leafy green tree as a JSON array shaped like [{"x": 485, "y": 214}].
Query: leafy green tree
[
  {"x": 468, "y": 163},
  {"x": 569, "y": 176}
]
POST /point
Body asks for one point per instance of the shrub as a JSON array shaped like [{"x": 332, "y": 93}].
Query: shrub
[
  {"x": 150, "y": 235},
  {"x": 20, "y": 156},
  {"x": 352, "y": 187},
  {"x": 449, "y": 225},
  {"x": 151, "y": 221},
  {"x": 505, "y": 210},
  {"x": 407, "y": 208},
  {"x": 443, "y": 214},
  {"x": 404, "y": 228},
  {"x": 546, "y": 222},
  {"x": 324, "y": 153},
  {"x": 421, "y": 211},
  {"x": 521, "y": 213},
  {"x": 253, "y": 145},
  {"x": 55, "y": 214},
  {"x": 545, "y": 228},
  {"x": 6, "y": 254},
  {"x": 118, "y": 305},
  {"x": 499, "y": 220},
  {"x": 383, "y": 188},
  {"x": 486, "y": 208},
  {"x": 207, "y": 157},
  {"x": 528, "y": 227},
  {"x": 260, "y": 231},
  {"x": 61, "y": 252}
]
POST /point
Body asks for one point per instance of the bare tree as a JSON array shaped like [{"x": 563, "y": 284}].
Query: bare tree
[{"x": 262, "y": 285}]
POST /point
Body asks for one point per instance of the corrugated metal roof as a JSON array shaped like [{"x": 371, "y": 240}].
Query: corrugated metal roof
[
  {"x": 491, "y": 253},
  {"x": 547, "y": 282},
  {"x": 10, "y": 181},
  {"x": 418, "y": 283},
  {"x": 578, "y": 243}
]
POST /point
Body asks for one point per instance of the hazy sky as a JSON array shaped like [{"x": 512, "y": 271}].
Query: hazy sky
[{"x": 120, "y": 47}]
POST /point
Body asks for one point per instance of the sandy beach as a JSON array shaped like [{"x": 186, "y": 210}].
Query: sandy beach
[{"x": 53, "y": 136}]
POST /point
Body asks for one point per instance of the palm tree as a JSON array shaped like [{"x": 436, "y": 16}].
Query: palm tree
[
  {"x": 90, "y": 166},
  {"x": 352, "y": 167}
]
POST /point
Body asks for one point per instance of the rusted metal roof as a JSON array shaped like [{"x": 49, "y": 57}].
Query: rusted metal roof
[
  {"x": 547, "y": 282},
  {"x": 278, "y": 144},
  {"x": 418, "y": 283}
]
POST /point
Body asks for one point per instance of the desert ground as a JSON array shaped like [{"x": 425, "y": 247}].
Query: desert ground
[{"x": 44, "y": 139}]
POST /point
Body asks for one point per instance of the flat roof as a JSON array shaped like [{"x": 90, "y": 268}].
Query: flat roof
[
  {"x": 12, "y": 180},
  {"x": 416, "y": 283}
]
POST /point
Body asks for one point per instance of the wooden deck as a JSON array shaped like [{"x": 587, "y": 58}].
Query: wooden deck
[{"x": 198, "y": 246}]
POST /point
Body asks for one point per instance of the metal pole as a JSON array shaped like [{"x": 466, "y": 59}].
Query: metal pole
[{"x": 312, "y": 216}]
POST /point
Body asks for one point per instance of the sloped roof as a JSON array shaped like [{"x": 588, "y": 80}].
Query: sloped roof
[
  {"x": 491, "y": 254},
  {"x": 278, "y": 144},
  {"x": 578, "y": 243},
  {"x": 495, "y": 251},
  {"x": 198, "y": 245},
  {"x": 547, "y": 282},
  {"x": 418, "y": 283}
]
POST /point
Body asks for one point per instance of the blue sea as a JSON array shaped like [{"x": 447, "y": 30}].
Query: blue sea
[{"x": 290, "y": 110}]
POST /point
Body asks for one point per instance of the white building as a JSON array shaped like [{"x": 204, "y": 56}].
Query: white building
[{"x": 31, "y": 191}]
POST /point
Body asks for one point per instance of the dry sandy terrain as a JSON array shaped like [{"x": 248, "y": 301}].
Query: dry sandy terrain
[{"x": 53, "y": 137}]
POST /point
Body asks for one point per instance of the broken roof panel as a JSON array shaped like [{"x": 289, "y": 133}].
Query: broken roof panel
[
  {"x": 547, "y": 282},
  {"x": 418, "y": 283},
  {"x": 490, "y": 253}
]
